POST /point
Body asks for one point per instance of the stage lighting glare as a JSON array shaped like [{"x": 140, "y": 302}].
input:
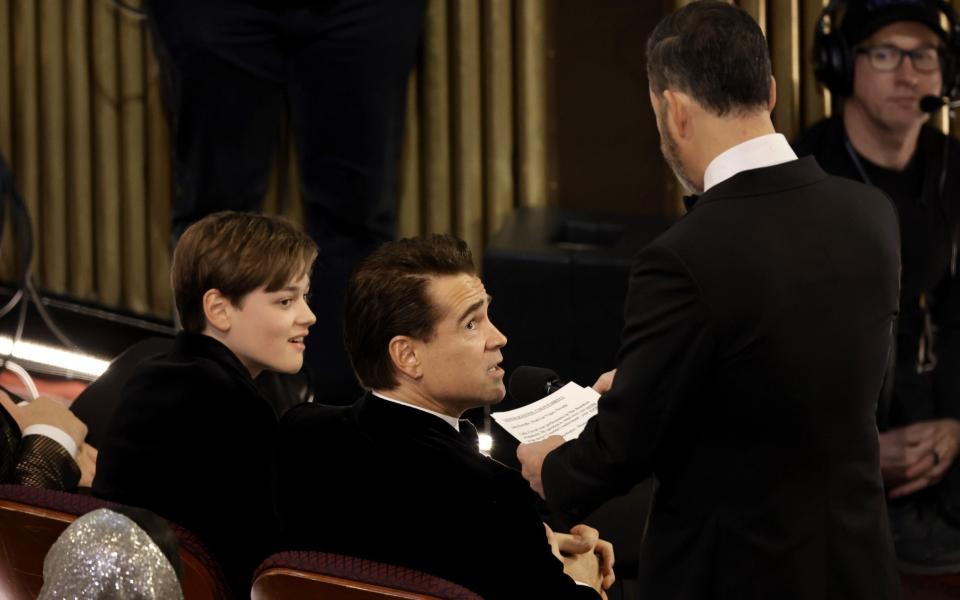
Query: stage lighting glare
[
  {"x": 76, "y": 363},
  {"x": 486, "y": 443}
]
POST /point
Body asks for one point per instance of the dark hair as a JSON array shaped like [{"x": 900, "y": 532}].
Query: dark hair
[
  {"x": 387, "y": 297},
  {"x": 235, "y": 253},
  {"x": 715, "y": 53}
]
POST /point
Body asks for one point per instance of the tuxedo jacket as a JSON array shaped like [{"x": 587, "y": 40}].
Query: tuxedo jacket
[
  {"x": 756, "y": 334},
  {"x": 192, "y": 440},
  {"x": 34, "y": 460},
  {"x": 388, "y": 482}
]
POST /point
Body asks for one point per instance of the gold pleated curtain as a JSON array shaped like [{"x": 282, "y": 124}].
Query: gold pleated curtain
[
  {"x": 82, "y": 128},
  {"x": 789, "y": 26},
  {"x": 475, "y": 142},
  {"x": 84, "y": 131}
]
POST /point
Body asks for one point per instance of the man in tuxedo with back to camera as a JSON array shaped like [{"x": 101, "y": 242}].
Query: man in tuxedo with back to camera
[
  {"x": 402, "y": 480},
  {"x": 880, "y": 60},
  {"x": 756, "y": 333}
]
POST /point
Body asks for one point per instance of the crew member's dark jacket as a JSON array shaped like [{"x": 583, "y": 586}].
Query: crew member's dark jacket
[{"x": 928, "y": 229}]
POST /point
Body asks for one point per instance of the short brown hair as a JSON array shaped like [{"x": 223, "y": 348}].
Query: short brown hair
[
  {"x": 387, "y": 296},
  {"x": 235, "y": 253}
]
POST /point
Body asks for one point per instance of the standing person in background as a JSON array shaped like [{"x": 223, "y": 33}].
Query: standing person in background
[
  {"x": 339, "y": 70},
  {"x": 755, "y": 339},
  {"x": 881, "y": 60}
]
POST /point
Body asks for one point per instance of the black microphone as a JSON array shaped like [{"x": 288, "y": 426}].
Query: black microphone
[
  {"x": 931, "y": 104},
  {"x": 529, "y": 384}
]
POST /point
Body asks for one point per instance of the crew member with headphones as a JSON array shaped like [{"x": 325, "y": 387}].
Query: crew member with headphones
[{"x": 882, "y": 60}]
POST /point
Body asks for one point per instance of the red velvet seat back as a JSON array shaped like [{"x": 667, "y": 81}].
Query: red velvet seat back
[
  {"x": 31, "y": 520},
  {"x": 338, "y": 577}
]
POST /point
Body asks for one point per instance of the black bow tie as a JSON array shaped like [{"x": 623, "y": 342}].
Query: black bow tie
[
  {"x": 690, "y": 201},
  {"x": 469, "y": 433}
]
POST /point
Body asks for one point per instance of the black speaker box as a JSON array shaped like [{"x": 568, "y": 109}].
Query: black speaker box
[{"x": 558, "y": 280}]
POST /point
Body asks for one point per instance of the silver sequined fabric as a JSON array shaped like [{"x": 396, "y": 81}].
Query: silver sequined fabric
[{"x": 105, "y": 555}]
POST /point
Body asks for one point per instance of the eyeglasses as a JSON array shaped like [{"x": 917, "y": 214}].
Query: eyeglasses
[{"x": 925, "y": 59}]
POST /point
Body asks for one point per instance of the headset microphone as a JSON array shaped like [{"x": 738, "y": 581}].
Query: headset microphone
[{"x": 931, "y": 104}]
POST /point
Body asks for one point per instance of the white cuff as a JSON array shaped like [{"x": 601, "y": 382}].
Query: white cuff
[{"x": 56, "y": 434}]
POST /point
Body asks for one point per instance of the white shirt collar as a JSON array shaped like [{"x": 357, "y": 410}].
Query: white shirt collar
[
  {"x": 764, "y": 151},
  {"x": 454, "y": 422}
]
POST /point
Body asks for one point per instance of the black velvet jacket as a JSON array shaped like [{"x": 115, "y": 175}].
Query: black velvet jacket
[
  {"x": 399, "y": 485},
  {"x": 192, "y": 441}
]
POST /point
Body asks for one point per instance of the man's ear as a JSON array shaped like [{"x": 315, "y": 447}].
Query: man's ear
[
  {"x": 403, "y": 355},
  {"x": 773, "y": 94},
  {"x": 216, "y": 309},
  {"x": 677, "y": 117}
]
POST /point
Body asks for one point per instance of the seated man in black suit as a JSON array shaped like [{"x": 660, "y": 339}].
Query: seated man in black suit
[
  {"x": 192, "y": 436},
  {"x": 42, "y": 445},
  {"x": 401, "y": 460}
]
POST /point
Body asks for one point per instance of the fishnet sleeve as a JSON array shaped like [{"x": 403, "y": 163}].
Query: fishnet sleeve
[{"x": 42, "y": 462}]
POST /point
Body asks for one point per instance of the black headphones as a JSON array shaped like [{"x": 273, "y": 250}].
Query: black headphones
[{"x": 833, "y": 57}]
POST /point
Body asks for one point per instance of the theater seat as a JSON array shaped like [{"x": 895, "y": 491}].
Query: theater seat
[
  {"x": 31, "y": 520},
  {"x": 930, "y": 587},
  {"x": 338, "y": 577}
]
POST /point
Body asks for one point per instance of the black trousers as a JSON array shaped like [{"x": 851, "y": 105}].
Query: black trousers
[{"x": 337, "y": 69}]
